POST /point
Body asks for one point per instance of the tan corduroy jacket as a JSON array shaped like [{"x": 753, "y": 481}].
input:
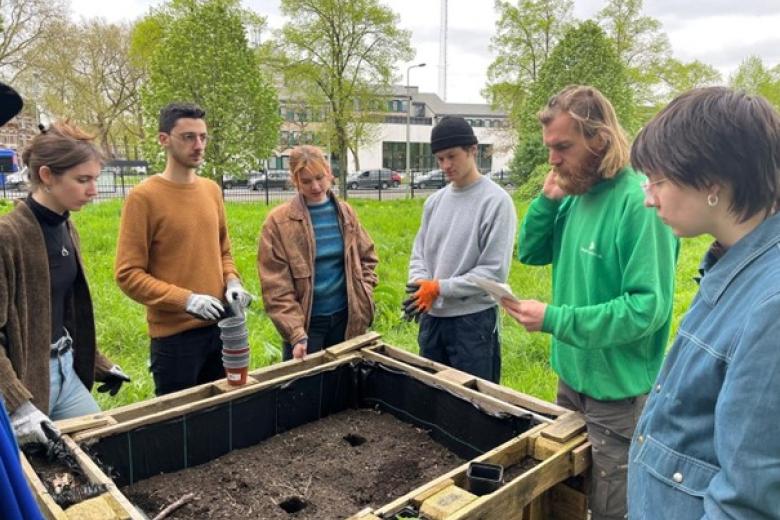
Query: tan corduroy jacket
[
  {"x": 285, "y": 263},
  {"x": 25, "y": 314}
]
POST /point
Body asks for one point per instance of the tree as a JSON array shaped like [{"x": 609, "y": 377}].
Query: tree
[
  {"x": 88, "y": 76},
  {"x": 23, "y": 24},
  {"x": 679, "y": 77},
  {"x": 754, "y": 78},
  {"x": 640, "y": 42},
  {"x": 585, "y": 56},
  {"x": 335, "y": 51},
  {"x": 526, "y": 34},
  {"x": 199, "y": 53}
]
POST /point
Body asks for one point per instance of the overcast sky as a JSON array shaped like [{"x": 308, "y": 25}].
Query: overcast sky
[{"x": 721, "y": 33}]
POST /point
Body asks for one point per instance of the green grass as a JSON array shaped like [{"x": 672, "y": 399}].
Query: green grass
[{"x": 121, "y": 324}]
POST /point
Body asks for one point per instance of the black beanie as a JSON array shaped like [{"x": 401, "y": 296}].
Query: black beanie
[{"x": 450, "y": 132}]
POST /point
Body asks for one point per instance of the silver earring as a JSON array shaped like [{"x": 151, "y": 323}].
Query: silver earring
[
  {"x": 47, "y": 189},
  {"x": 712, "y": 200}
]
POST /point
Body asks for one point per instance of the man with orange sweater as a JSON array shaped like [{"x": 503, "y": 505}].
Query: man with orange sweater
[{"x": 173, "y": 256}]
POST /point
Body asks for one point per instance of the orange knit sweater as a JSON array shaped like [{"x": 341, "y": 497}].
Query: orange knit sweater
[{"x": 173, "y": 241}]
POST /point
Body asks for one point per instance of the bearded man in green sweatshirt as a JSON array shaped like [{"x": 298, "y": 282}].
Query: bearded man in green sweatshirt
[{"x": 613, "y": 281}]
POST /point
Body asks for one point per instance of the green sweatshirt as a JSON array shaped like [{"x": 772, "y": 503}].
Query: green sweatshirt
[{"x": 613, "y": 285}]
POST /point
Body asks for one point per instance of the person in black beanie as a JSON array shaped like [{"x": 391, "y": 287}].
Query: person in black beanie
[{"x": 467, "y": 230}]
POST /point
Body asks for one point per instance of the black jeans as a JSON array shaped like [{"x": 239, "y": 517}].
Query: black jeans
[
  {"x": 186, "y": 359},
  {"x": 324, "y": 331},
  {"x": 469, "y": 343}
]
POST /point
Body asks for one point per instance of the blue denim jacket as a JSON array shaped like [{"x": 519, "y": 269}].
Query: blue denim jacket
[{"x": 708, "y": 442}]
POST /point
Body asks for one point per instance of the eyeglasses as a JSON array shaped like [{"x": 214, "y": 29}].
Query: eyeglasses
[
  {"x": 647, "y": 186},
  {"x": 191, "y": 137}
]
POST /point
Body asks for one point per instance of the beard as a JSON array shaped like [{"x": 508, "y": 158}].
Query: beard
[{"x": 579, "y": 180}]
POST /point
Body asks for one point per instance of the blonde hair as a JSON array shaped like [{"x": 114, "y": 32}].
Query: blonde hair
[
  {"x": 308, "y": 157},
  {"x": 60, "y": 147},
  {"x": 595, "y": 116}
]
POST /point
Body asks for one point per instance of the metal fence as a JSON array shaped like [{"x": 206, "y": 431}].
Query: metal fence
[{"x": 116, "y": 185}]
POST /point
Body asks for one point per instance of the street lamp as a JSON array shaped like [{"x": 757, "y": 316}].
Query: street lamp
[{"x": 408, "y": 122}]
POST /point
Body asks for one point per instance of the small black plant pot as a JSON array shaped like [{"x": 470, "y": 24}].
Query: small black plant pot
[{"x": 484, "y": 478}]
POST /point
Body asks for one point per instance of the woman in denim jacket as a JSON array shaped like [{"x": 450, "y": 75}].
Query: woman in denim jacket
[{"x": 707, "y": 444}]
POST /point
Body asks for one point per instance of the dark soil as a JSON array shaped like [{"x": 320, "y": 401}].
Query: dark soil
[{"x": 328, "y": 469}]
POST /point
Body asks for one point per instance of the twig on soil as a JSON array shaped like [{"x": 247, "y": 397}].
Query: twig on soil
[
  {"x": 306, "y": 489},
  {"x": 173, "y": 507}
]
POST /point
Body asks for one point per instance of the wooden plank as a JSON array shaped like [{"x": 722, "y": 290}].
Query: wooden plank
[
  {"x": 177, "y": 411},
  {"x": 443, "y": 504},
  {"x": 353, "y": 344},
  {"x": 365, "y": 514},
  {"x": 458, "y": 475},
  {"x": 102, "y": 507},
  {"x": 485, "y": 402},
  {"x": 520, "y": 399},
  {"x": 537, "y": 509},
  {"x": 457, "y": 377},
  {"x": 409, "y": 358},
  {"x": 417, "y": 500},
  {"x": 84, "y": 422},
  {"x": 566, "y": 427},
  {"x": 97, "y": 476},
  {"x": 46, "y": 503},
  {"x": 566, "y": 503},
  {"x": 544, "y": 447},
  {"x": 510, "y": 500},
  {"x": 581, "y": 458}
]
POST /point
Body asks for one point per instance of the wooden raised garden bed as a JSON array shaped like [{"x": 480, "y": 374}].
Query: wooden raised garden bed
[{"x": 362, "y": 430}]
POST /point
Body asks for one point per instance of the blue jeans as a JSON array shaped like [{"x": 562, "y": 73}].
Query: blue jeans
[{"x": 68, "y": 397}]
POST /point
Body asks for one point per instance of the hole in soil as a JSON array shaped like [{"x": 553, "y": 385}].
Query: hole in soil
[
  {"x": 354, "y": 440},
  {"x": 293, "y": 505}
]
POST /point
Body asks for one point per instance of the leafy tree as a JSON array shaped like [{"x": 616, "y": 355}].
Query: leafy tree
[
  {"x": 337, "y": 51},
  {"x": 23, "y": 25},
  {"x": 526, "y": 35},
  {"x": 88, "y": 76},
  {"x": 199, "y": 53},
  {"x": 753, "y": 77},
  {"x": 642, "y": 45},
  {"x": 680, "y": 77},
  {"x": 585, "y": 56}
]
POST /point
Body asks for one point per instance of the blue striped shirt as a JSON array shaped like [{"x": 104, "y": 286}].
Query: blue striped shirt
[{"x": 330, "y": 287}]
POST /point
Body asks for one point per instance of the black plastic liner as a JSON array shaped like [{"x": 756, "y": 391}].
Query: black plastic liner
[{"x": 206, "y": 434}]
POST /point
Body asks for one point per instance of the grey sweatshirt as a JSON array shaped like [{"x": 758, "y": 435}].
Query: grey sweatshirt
[{"x": 464, "y": 231}]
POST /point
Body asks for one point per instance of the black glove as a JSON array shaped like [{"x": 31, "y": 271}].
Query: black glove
[
  {"x": 112, "y": 382},
  {"x": 409, "y": 306}
]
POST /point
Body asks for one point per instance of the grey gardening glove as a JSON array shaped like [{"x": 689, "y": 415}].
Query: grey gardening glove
[
  {"x": 204, "y": 306},
  {"x": 29, "y": 422},
  {"x": 112, "y": 381},
  {"x": 237, "y": 297}
]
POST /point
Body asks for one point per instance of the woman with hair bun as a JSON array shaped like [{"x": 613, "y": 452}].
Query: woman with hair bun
[{"x": 48, "y": 357}]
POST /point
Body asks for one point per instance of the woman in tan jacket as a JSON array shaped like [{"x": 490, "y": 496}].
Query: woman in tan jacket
[
  {"x": 316, "y": 263},
  {"x": 48, "y": 357}
]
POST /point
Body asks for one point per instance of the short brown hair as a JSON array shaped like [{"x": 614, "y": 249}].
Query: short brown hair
[
  {"x": 716, "y": 135},
  {"x": 60, "y": 147},
  {"x": 595, "y": 116}
]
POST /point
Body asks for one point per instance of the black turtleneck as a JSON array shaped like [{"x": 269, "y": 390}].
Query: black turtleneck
[{"x": 63, "y": 268}]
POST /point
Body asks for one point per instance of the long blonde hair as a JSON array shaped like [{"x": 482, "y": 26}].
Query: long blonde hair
[{"x": 595, "y": 117}]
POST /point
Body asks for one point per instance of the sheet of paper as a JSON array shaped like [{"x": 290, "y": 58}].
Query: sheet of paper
[{"x": 494, "y": 289}]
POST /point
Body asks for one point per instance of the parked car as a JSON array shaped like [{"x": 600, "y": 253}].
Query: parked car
[
  {"x": 431, "y": 179},
  {"x": 16, "y": 181},
  {"x": 277, "y": 179},
  {"x": 502, "y": 178},
  {"x": 373, "y": 179},
  {"x": 229, "y": 182}
]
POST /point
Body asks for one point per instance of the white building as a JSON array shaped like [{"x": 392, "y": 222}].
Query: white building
[{"x": 388, "y": 149}]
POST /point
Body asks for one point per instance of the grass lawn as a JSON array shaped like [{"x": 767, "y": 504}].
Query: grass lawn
[{"x": 121, "y": 322}]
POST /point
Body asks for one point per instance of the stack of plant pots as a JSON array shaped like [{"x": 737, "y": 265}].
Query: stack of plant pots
[{"x": 235, "y": 349}]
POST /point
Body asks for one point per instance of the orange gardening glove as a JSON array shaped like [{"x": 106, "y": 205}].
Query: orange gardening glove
[{"x": 426, "y": 294}]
